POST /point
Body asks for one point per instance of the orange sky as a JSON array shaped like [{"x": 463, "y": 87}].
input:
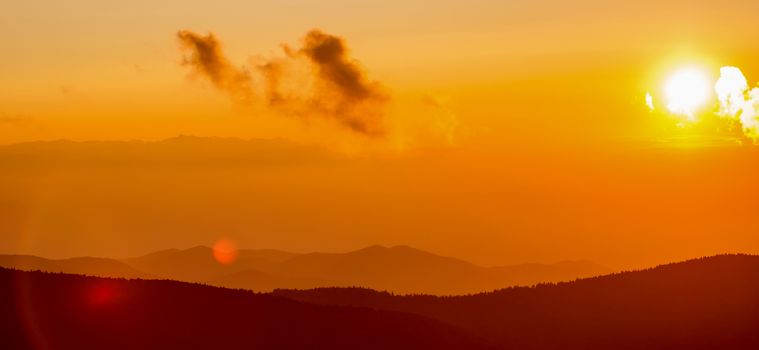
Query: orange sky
[
  {"x": 537, "y": 147},
  {"x": 89, "y": 70}
]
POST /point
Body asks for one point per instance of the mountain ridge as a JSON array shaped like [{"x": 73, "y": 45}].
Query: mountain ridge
[
  {"x": 704, "y": 303},
  {"x": 400, "y": 269}
]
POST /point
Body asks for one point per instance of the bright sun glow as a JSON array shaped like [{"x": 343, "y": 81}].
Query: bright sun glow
[{"x": 686, "y": 91}]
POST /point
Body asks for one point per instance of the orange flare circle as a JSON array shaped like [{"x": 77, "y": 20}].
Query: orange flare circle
[{"x": 225, "y": 251}]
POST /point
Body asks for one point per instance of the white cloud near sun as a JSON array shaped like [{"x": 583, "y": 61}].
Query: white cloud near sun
[{"x": 689, "y": 90}]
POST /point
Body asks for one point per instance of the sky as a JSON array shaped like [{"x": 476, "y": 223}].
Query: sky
[{"x": 509, "y": 131}]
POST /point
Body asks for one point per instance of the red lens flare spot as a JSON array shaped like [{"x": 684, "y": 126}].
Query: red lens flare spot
[
  {"x": 102, "y": 293},
  {"x": 225, "y": 251}
]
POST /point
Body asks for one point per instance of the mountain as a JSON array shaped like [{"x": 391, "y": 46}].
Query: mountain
[
  {"x": 399, "y": 269},
  {"x": 708, "y": 303},
  {"x": 198, "y": 264},
  {"x": 61, "y": 311},
  {"x": 530, "y": 274},
  {"x": 403, "y": 269},
  {"x": 102, "y": 267}
]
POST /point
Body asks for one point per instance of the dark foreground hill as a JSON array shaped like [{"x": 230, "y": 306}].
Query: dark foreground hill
[
  {"x": 100, "y": 267},
  {"x": 59, "y": 311},
  {"x": 709, "y": 303}
]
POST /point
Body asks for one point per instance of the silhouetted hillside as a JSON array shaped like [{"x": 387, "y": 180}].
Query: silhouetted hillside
[
  {"x": 709, "y": 303},
  {"x": 58, "y": 311},
  {"x": 530, "y": 274},
  {"x": 101, "y": 267}
]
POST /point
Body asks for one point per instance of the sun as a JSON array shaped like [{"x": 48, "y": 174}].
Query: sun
[{"x": 686, "y": 91}]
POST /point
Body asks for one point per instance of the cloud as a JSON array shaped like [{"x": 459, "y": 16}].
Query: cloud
[
  {"x": 18, "y": 119},
  {"x": 330, "y": 54},
  {"x": 206, "y": 59},
  {"x": 319, "y": 79},
  {"x": 737, "y": 101},
  {"x": 730, "y": 88},
  {"x": 357, "y": 99},
  {"x": 650, "y": 101},
  {"x": 66, "y": 90}
]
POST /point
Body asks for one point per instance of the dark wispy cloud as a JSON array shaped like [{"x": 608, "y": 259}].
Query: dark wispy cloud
[
  {"x": 206, "y": 58},
  {"x": 15, "y": 119},
  {"x": 358, "y": 98},
  {"x": 318, "y": 79}
]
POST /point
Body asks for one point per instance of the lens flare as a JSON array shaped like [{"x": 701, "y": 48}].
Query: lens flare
[
  {"x": 102, "y": 293},
  {"x": 687, "y": 91},
  {"x": 225, "y": 251}
]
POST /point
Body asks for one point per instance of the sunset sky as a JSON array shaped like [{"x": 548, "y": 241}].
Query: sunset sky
[{"x": 513, "y": 131}]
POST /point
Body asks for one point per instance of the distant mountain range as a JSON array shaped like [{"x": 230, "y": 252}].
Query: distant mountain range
[
  {"x": 709, "y": 303},
  {"x": 399, "y": 269},
  {"x": 198, "y": 264}
]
